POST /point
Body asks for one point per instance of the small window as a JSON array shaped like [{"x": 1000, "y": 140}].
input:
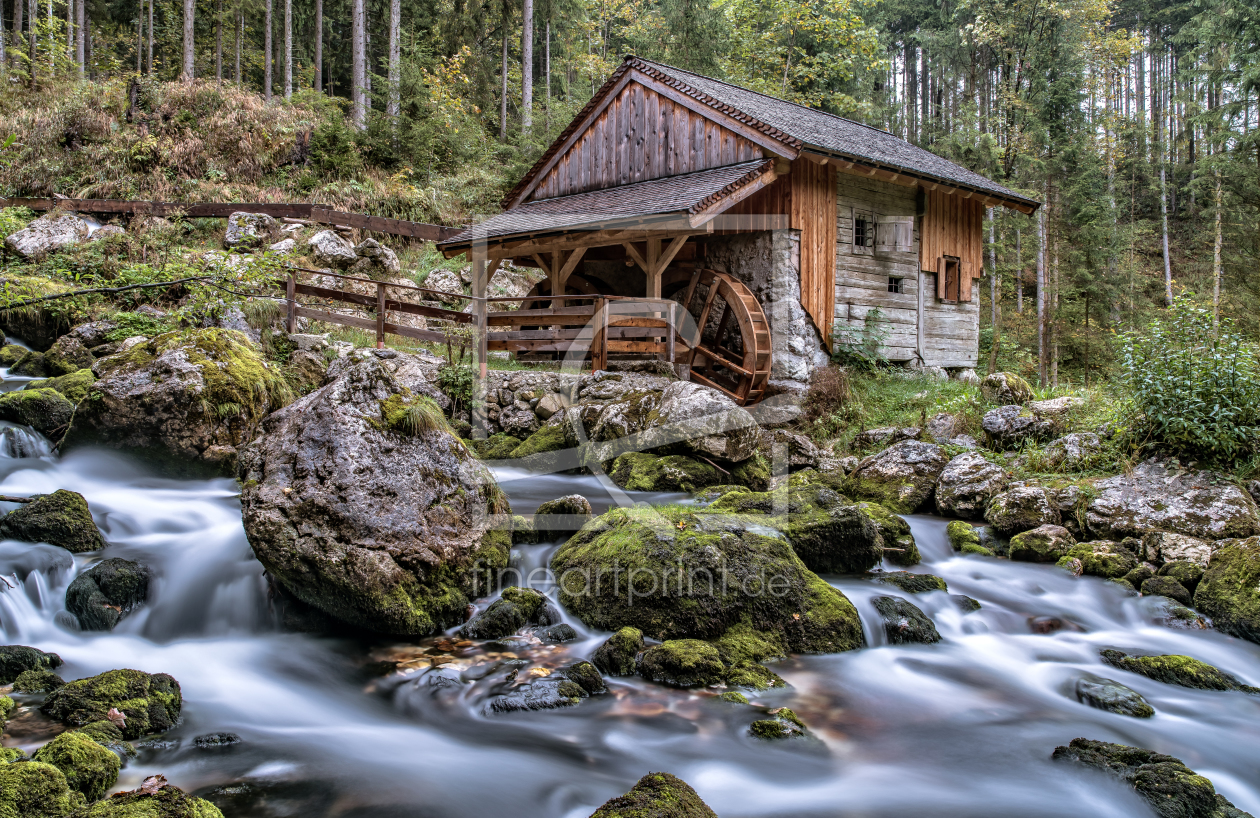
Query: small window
[
  {"x": 949, "y": 279},
  {"x": 894, "y": 285},
  {"x": 863, "y": 233}
]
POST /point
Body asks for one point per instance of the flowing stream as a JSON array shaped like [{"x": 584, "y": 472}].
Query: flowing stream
[{"x": 961, "y": 728}]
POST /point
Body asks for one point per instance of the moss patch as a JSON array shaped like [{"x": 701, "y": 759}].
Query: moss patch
[
  {"x": 657, "y": 795},
  {"x": 546, "y": 439},
  {"x": 682, "y": 663},
  {"x": 782, "y": 724},
  {"x": 913, "y": 583},
  {"x": 639, "y": 471},
  {"x": 35, "y": 682},
  {"x": 616, "y": 656},
  {"x": 962, "y": 534},
  {"x": 1229, "y": 591},
  {"x": 89, "y": 768},
  {"x": 496, "y": 447},
  {"x": 45, "y": 410},
  {"x": 35, "y": 790},
  {"x": 1177, "y": 670},
  {"x": 899, "y": 545},
  {"x": 149, "y": 703},
  {"x": 167, "y": 802},
  {"x": 74, "y": 387},
  {"x": 16, "y": 659},
  {"x": 61, "y": 518}
]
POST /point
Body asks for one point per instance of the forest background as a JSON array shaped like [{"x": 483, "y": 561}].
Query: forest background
[{"x": 1134, "y": 122}]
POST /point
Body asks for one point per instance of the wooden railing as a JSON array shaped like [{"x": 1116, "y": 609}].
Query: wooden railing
[{"x": 604, "y": 324}]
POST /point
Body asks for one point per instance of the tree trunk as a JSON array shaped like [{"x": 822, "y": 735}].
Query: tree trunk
[
  {"x": 358, "y": 66},
  {"x": 1019, "y": 274},
  {"x": 1041, "y": 296},
  {"x": 70, "y": 29},
  {"x": 1163, "y": 214},
  {"x": 527, "y": 65},
  {"x": 240, "y": 37},
  {"x": 148, "y": 66},
  {"x": 367, "y": 58},
  {"x": 218, "y": 41},
  {"x": 995, "y": 293},
  {"x": 267, "y": 53},
  {"x": 547, "y": 72},
  {"x": 288, "y": 49},
  {"x": 139, "y": 37},
  {"x": 31, "y": 17},
  {"x": 319, "y": 45},
  {"x": 395, "y": 57},
  {"x": 1217, "y": 271},
  {"x": 189, "y": 9},
  {"x": 80, "y": 40},
  {"x": 4, "y": 54},
  {"x": 503, "y": 91}
]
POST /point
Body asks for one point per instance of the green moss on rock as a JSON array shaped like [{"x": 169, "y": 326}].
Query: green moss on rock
[
  {"x": 904, "y": 623},
  {"x": 36, "y": 790},
  {"x": 11, "y": 354},
  {"x": 514, "y": 609},
  {"x": 89, "y": 768},
  {"x": 682, "y": 663},
  {"x": 1176, "y": 670},
  {"x": 743, "y": 643},
  {"x": 657, "y": 795},
  {"x": 754, "y": 473},
  {"x": 962, "y": 534},
  {"x": 1229, "y": 591},
  {"x": 546, "y": 439},
  {"x": 639, "y": 471},
  {"x": 616, "y": 656},
  {"x": 496, "y": 447},
  {"x": 45, "y": 410},
  {"x": 167, "y": 802},
  {"x": 1103, "y": 559},
  {"x": 105, "y": 593},
  {"x": 899, "y": 546},
  {"x": 9, "y": 755},
  {"x": 1046, "y": 543},
  {"x": 31, "y": 365},
  {"x": 913, "y": 583},
  {"x": 782, "y": 724},
  {"x": 734, "y": 697},
  {"x": 61, "y": 518},
  {"x": 150, "y": 703},
  {"x": 37, "y": 681},
  {"x": 754, "y": 676},
  {"x": 16, "y": 659},
  {"x": 1166, "y": 586},
  {"x": 74, "y": 387}
]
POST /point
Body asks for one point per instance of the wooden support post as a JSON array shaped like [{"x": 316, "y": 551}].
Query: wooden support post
[
  {"x": 653, "y": 268},
  {"x": 669, "y": 344},
  {"x": 603, "y": 335},
  {"x": 481, "y": 343},
  {"x": 290, "y": 303},
  {"x": 380, "y": 316}
]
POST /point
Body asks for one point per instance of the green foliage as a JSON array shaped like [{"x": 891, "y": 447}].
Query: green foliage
[
  {"x": 456, "y": 382},
  {"x": 333, "y": 149},
  {"x": 413, "y": 416},
  {"x": 861, "y": 349},
  {"x": 133, "y": 324},
  {"x": 1195, "y": 388},
  {"x": 13, "y": 219}
]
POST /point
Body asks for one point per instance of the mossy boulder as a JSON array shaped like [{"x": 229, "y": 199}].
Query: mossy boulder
[
  {"x": 1166, "y": 586},
  {"x": 657, "y": 795},
  {"x": 30, "y": 365},
  {"x": 1105, "y": 694},
  {"x": 680, "y": 573},
  {"x": 1229, "y": 590},
  {"x": 1021, "y": 508},
  {"x": 514, "y": 609},
  {"x": 11, "y": 354},
  {"x": 1187, "y": 573},
  {"x": 17, "y": 659},
  {"x": 496, "y": 447},
  {"x": 1176, "y": 670},
  {"x": 33, "y": 789},
  {"x": 961, "y": 534},
  {"x": 967, "y": 484},
  {"x": 67, "y": 355},
  {"x": 10, "y": 755},
  {"x": 61, "y": 518},
  {"x": 682, "y": 663},
  {"x": 149, "y": 703},
  {"x": 1047, "y": 543},
  {"x": 616, "y": 656},
  {"x": 904, "y": 623},
  {"x": 1172, "y": 789},
  {"x": 165, "y": 801},
  {"x": 899, "y": 546},
  {"x": 753, "y": 676},
  {"x": 586, "y": 675},
  {"x": 108, "y": 735},
  {"x": 105, "y": 593},
  {"x": 913, "y": 583},
  {"x": 547, "y": 439},
  {"x": 754, "y": 473},
  {"x": 37, "y": 681},
  {"x": 45, "y": 410},
  {"x": 88, "y": 767},
  {"x": 185, "y": 400},
  {"x": 1006, "y": 387},
  {"x": 73, "y": 387},
  {"x": 7, "y": 705},
  {"x": 381, "y": 530},
  {"x": 640, "y": 471},
  {"x": 902, "y": 477},
  {"x": 782, "y": 724},
  {"x": 1103, "y": 558}
]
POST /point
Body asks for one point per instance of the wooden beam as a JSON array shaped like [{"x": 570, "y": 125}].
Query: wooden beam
[
  {"x": 717, "y": 208},
  {"x": 633, "y": 253},
  {"x": 570, "y": 264}
]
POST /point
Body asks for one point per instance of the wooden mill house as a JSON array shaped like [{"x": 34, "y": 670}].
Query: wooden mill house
[{"x": 780, "y": 227}]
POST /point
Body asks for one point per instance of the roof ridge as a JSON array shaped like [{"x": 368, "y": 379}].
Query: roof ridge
[{"x": 750, "y": 163}]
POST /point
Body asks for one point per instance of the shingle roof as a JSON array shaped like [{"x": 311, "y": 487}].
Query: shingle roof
[
  {"x": 796, "y": 126},
  {"x": 686, "y": 194}
]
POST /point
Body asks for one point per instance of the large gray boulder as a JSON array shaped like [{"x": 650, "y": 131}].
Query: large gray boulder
[
  {"x": 375, "y": 261},
  {"x": 47, "y": 234},
  {"x": 1073, "y": 451},
  {"x": 1021, "y": 508},
  {"x": 105, "y": 593},
  {"x": 967, "y": 484},
  {"x": 711, "y": 423},
  {"x": 331, "y": 250},
  {"x": 1006, "y": 427},
  {"x": 245, "y": 231},
  {"x": 901, "y": 477},
  {"x": 360, "y": 512},
  {"x": 183, "y": 400},
  {"x": 1159, "y": 496},
  {"x": 1005, "y": 387}
]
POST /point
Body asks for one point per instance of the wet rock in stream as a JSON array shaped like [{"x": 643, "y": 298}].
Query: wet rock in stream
[
  {"x": 656, "y": 795},
  {"x": 61, "y": 518},
  {"x": 904, "y": 623},
  {"x": 105, "y": 593},
  {"x": 1177, "y": 670},
  {"x": 1113, "y": 697},
  {"x": 616, "y": 656},
  {"x": 17, "y": 659},
  {"x": 145, "y": 703}
]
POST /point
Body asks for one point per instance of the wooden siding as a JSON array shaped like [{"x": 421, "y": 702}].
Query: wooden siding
[
  {"x": 813, "y": 201},
  {"x": 953, "y": 226},
  {"x": 643, "y": 135}
]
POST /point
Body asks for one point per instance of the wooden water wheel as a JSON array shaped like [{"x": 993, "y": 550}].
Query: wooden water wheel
[{"x": 734, "y": 356}]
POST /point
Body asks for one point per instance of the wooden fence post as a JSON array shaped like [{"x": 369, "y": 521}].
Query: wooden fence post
[
  {"x": 290, "y": 302},
  {"x": 670, "y": 343},
  {"x": 480, "y": 421},
  {"x": 380, "y": 315}
]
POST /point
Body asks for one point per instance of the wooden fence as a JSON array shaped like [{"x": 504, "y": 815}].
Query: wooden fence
[
  {"x": 278, "y": 210},
  {"x": 601, "y": 325}
]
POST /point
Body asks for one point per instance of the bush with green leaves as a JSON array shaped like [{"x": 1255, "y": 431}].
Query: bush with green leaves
[{"x": 1195, "y": 387}]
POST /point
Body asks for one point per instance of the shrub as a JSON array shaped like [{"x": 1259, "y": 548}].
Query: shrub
[{"x": 1195, "y": 388}]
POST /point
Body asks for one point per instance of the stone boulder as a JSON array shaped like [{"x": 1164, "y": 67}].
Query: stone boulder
[
  {"x": 375, "y": 261},
  {"x": 61, "y": 518},
  {"x": 622, "y": 569},
  {"x": 45, "y": 410},
  {"x": 1159, "y": 496},
  {"x": 447, "y": 283},
  {"x": 904, "y": 623},
  {"x": 359, "y": 502},
  {"x": 18, "y": 659},
  {"x": 639, "y": 471},
  {"x": 656, "y": 794},
  {"x": 1159, "y": 547},
  {"x": 1006, "y": 388},
  {"x": 513, "y": 610},
  {"x": 1105, "y": 694},
  {"x": 1073, "y": 452},
  {"x": 913, "y": 583},
  {"x": 884, "y": 436},
  {"x": 901, "y": 477},
  {"x": 67, "y": 355},
  {"x": 1021, "y": 508},
  {"x": 154, "y": 799},
  {"x": 1008, "y": 427},
  {"x": 107, "y": 592},
  {"x": 73, "y": 387},
  {"x": 37, "y": 681},
  {"x": 245, "y": 231},
  {"x": 1056, "y": 410},
  {"x": 1101, "y": 558},
  {"x": 682, "y": 663},
  {"x": 707, "y": 422},
  {"x": 89, "y": 768},
  {"x": 331, "y": 250},
  {"x": 1047, "y": 543},
  {"x": 967, "y": 484},
  {"x": 33, "y": 789},
  {"x": 1229, "y": 591},
  {"x": 48, "y": 234},
  {"x": 184, "y": 400},
  {"x": 617, "y": 655},
  {"x": 149, "y": 703},
  {"x": 283, "y": 247},
  {"x": 1176, "y": 670},
  {"x": 1169, "y": 787},
  {"x": 942, "y": 427}
]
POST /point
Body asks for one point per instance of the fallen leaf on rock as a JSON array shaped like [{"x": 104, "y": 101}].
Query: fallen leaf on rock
[
  {"x": 116, "y": 717},
  {"x": 152, "y": 784}
]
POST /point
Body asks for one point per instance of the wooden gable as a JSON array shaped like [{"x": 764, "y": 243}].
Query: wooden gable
[{"x": 953, "y": 227}]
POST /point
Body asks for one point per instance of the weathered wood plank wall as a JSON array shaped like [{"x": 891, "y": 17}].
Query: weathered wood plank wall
[
  {"x": 643, "y": 135},
  {"x": 953, "y": 226},
  {"x": 813, "y": 203}
]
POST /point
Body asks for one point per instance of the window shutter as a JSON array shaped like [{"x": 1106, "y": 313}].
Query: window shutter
[
  {"x": 905, "y": 235},
  {"x": 966, "y": 270},
  {"x": 894, "y": 234},
  {"x": 940, "y": 277}
]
